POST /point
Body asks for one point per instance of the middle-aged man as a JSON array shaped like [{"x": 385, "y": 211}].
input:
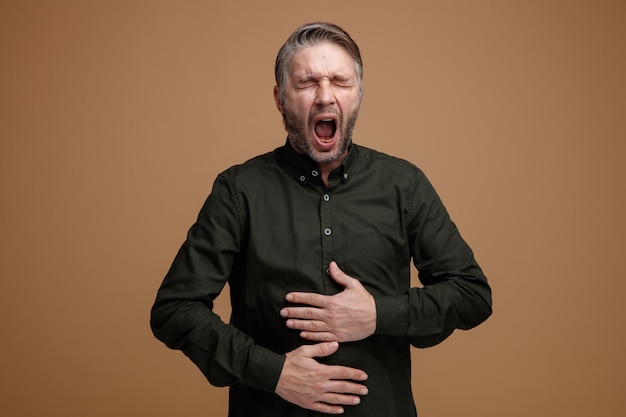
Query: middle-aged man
[{"x": 315, "y": 240}]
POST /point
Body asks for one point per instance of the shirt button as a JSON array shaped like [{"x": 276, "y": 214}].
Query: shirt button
[
  {"x": 326, "y": 197},
  {"x": 302, "y": 178},
  {"x": 315, "y": 173},
  {"x": 327, "y": 232},
  {"x": 345, "y": 175}
]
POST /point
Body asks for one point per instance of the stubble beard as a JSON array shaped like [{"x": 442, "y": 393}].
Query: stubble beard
[{"x": 298, "y": 130}]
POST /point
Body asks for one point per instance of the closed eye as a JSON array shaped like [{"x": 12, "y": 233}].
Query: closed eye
[
  {"x": 306, "y": 83},
  {"x": 343, "y": 83},
  {"x": 312, "y": 82}
]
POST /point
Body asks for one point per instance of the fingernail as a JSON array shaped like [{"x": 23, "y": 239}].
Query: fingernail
[
  {"x": 356, "y": 401},
  {"x": 364, "y": 391}
]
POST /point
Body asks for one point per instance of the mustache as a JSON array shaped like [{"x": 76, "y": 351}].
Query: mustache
[{"x": 324, "y": 110}]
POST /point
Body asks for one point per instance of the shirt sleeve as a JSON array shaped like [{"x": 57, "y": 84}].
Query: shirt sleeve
[
  {"x": 455, "y": 292},
  {"x": 182, "y": 315}
]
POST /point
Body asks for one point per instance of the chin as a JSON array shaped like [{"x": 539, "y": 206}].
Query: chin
[{"x": 326, "y": 157}]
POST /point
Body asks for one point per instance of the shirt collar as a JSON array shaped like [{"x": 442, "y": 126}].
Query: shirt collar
[{"x": 305, "y": 170}]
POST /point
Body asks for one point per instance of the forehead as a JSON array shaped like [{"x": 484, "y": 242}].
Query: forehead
[{"x": 324, "y": 59}]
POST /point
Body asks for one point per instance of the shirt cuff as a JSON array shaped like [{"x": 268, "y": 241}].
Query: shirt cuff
[
  {"x": 264, "y": 369},
  {"x": 391, "y": 315}
]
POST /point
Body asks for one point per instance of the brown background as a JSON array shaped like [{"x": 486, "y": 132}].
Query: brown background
[{"x": 117, "y": 115}]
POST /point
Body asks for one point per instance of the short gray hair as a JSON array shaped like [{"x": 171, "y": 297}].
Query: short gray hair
[{"x": 313, "y": 34}]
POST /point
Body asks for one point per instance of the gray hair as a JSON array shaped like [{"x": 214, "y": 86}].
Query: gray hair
[{"x": 313, "y": 34}]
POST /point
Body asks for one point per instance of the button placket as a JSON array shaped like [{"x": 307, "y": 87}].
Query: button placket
[{"x": 326, "y": 230}]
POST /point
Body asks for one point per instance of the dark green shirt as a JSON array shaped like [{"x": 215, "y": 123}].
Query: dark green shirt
[{"x": 270, "y": 226}]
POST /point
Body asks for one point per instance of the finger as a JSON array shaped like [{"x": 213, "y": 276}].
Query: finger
[
  {"x": 338, "y": 372},
  {"x": 310, "y": 325},
  {"x": 319, "y": 336},
  {"x": 319, "y": 350},
  {"x": 340, "y": 399},
  {"x": 306, "y": 313},
  {"x": 347, "y": 388},
  {"x": 312, "y": 299},
  {"x": 326, "y": 408}
]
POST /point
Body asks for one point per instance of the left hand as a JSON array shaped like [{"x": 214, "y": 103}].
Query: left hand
[{"x": 344, "y": 317}]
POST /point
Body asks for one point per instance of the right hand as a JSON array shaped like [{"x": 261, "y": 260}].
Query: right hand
[{"x": 315, "y": 386}]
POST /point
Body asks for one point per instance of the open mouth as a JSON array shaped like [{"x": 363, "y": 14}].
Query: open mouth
[{"x": 325, "y": 129}]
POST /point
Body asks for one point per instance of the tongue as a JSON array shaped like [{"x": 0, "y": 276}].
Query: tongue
[{"x": 324, "y": 129}]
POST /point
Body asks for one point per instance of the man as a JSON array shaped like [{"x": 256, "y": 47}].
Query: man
[{"x": 315, "y": 240}]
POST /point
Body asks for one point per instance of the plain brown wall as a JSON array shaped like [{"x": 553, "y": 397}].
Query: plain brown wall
[{"x": 117, "y": 115}]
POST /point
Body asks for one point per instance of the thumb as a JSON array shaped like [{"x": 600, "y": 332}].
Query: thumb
[
  {"x": 338, "y": 275},
  {"x": 321, "y": 349}
]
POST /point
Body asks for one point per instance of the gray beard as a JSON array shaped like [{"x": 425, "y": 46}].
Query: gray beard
[{"x": 297, "y": 133}]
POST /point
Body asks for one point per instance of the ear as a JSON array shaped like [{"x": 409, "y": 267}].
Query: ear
[{"x": 279, "y": 105}]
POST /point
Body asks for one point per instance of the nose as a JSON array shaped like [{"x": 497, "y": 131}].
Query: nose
[{"x": 325, "y": 94}]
